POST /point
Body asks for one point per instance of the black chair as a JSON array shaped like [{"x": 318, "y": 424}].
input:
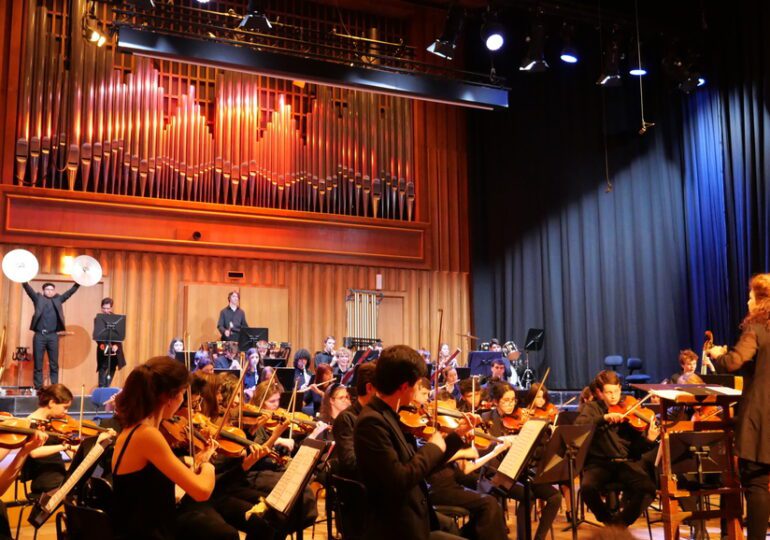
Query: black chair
[
  {"x": 349, "y": 507},
  {"x": 635, "y": 364},
  {"x": 83, "y": 523},
  {"x": 29, "y": 498}
]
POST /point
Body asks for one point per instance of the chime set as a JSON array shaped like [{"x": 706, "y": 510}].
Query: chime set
[{"x": 115, "y": 124}]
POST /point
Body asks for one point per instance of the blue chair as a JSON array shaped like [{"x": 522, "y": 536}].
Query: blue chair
[
  {"x": 613, "y": 362},
  {"x": 100, "y": 395},
  {"x": 635, "y": 364}
]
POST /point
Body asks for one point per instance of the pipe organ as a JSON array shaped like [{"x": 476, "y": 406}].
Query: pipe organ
[{"x": 95, "y": 120}]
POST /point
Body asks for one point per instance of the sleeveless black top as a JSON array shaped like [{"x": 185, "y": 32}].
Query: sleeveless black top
[{"x": 143, "y": 502}]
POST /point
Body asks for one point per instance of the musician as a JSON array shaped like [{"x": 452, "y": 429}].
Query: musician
[
  {"x": 443, "y": 357},
  {"x": 47, "y": 322},
  {"x": 46, "y": 467},
  {"x": 494, "y": 345},
  {"x": 109, "y": 355},
  {"x": 327, "y": 355},
  {"x": 497, "y": 374},
  {"x": 315, "y": 393},
  {"x": 231, "y": 318},
  {"x": 688, "y": 362},
  {"x": 252, "y": 362},
  {"x": 227, "y": 360},
  {"x": 10, "y": 472},
  {"x": 451, "y": 389},
  {"x": 302, "y": 374},
  {"x": 615, "y": 454},
  {"x": 504, "y": 401},
  {"x": 752, "y": 438},
  {"x": 343, "y": 426},
  {"x": 336, "y": 399},
  {"x": 176, "y": 346},
  {"x": 470, "y": 400},
  {"x": 144, "y": 467},
  {"x": 205, "y": 365},
  {"x": 587, "y": 395},
  {"x": 538, "y": 400},
  {"x": 343, "y": 363},
  {"x": 391, "y": 468}
]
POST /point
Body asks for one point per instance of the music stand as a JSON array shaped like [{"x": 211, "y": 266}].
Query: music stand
[
  {"x": 249, "y": 337},
  {"x": 274, "y": 363},
  {"x": 285, "y": 376},
  {"x": 534, "y": 342},
  {"x": 186, "y": 358},
  {"x": 463, "y": 373},
  {"x": 562, "y": 461},
  {"x": 109, "y": 329}
]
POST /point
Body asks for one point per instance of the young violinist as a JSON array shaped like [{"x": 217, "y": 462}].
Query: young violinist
[
  {"x": 470, "y": 400},
  {"x": 145, "y": 469},
  {"x": 336, "y": 399},
  {"x": 46, "y": 467},
  {"x": 688, "y": 362},
  {"x": 505, "y": 419},
  {"x": 391, "y": 467},
  {"x": 538, "y": 401},
  {"x": 10, "y": 472},
  {"x": 752, "y": 438},
  {"x": 615, "y": 454},
  {"x": 486, "y": 516}
]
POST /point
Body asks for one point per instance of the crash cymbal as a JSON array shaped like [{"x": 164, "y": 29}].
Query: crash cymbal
[
  {"x": 467, "y": 335},
  {"x": 20, "y": 265},
  {"x": 86, "y": 271}
]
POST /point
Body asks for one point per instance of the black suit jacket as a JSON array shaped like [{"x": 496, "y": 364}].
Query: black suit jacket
[
  {"x": 58, "y": 299},
  {"x": 394, "y": 474}
]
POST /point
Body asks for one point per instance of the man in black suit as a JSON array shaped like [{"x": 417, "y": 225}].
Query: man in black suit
[
  {"x": 109, "y": 354},
  {"x": 390, "y": 466},
  {"x": 231, "y": 318},
  {"x": 46, "y": 322}
]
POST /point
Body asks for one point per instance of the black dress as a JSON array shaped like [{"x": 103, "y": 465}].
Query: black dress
[{"x": 143, "y": 502}]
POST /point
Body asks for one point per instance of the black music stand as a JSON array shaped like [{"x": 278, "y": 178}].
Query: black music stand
[
  {"x": 285, "y": 376},
  {"x": 534, "y": 342},
  {"x": 563, "y": 460},
  {"x": 249, "y": 337},
  {"x": 109, "y": 329},
  {"x": 186, "y": 358}
]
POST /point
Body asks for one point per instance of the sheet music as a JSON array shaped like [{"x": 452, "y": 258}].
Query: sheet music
[
  {"x": 674, "y": 395},
  {"x": 93, "y": 455},
  {"x": 516, "y": 458},
  {"x": 286, "y": 490}
]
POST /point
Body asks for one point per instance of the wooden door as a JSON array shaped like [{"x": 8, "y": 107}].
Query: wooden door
[{"x": 390, "y": 319}]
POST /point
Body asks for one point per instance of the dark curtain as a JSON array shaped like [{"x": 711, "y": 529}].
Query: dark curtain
[{"x": 644, "y": 269}]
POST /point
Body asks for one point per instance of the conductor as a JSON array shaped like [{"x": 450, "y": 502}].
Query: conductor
[{"x": 231, "y": 318}]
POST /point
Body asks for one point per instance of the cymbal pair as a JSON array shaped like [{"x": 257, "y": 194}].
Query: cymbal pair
[{"x": 21, "y": 266}]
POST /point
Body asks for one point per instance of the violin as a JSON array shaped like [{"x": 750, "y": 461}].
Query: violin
[
  {"x": 15, "y": 432},
  {"x": 548, "y": 412},
  {"x": 512, "y": 423},
  {"x": 177, "y": 433},
  {"x": 75, "y": 430},
  {"x": 706, "y": 413},
  {"x": 640, "y": 418}
]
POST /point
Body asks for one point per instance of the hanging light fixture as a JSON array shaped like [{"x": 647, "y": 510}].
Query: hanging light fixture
[
  {"x": 534, "y": 61},
  {"x": 569, "y": 53},
  {"x": 610, "y": 75},
  {"x": 492, "y": 31},
  {"x": 444, "y": 45}
]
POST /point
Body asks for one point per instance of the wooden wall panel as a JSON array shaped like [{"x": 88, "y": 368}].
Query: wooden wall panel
[{"x": 149, "y": 288}]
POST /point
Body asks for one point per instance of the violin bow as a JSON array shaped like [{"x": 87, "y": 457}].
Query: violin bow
[
  {"x": 473, "y": 410},
  {"x": 531, "y": 407},
  {"x": 240, "y": 402},
  {"x": 230, "y": 402},
  {"x": 188, "y": 394},
  {"x": 293, "y": 407},
  {"x": 264, "y": 395},
  {"x": 435, "y": 367},
  {"x": 82, "y": 407}
]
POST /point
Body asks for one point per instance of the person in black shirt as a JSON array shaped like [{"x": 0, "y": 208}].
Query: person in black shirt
[
  {"x": 342, "y": 429},
  {"x": 391, "y": 467},
  {"x": 327, "y": 356},
  {"x": 615, "y": 455},
  {"x": 46, "y": 322},
  {"x": 109, "y": 355},
  {"x": 231, "y": 318}
]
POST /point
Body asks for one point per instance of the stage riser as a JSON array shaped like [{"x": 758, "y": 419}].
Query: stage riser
[{"x": 22, "y": 406}]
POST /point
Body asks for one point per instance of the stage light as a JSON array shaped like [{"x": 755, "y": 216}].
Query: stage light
[
  {"x": 610, "y": 75},
  {"x": 492, "y": 32},
  {"x": 255, "y": 18},
  {"x": 701, "y": 81},
  {"x": 444, "y": 45},
  {"x": 91, "y": 30},
  {"x": 568, "y": 54},
  {"x": 534, "y": 61}
]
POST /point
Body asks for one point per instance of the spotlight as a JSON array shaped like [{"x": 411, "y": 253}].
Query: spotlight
[
  {"x": 635, "y": 66},
  {"x": 492, "y": 32},
  {"x": 684, "y": 69},
  {"x": 568, "y": 52},
  {"x": 445, "y": 45},
  {"x": 610, "y": 75},
  {"x": 701, "y": 81},
  {"x": 535, "y": 59},
  {"x": 255, "y": 18},
  {"x": 92, "y": 32}
]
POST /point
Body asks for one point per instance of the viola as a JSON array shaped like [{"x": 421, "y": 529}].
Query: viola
[
  {"x": 512, "y": 423},
  {"x": 640, "y": 418},
  {"x": 272, "y": 419},
  {"x": 706, "y": 413}
]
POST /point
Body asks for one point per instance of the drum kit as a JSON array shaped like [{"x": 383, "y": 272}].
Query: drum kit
[{"x": 21, "y": 266}]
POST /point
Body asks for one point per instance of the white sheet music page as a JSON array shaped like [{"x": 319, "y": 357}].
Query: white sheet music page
[
  {"x": 286, "y": 490},
  {"x": 517, "y": 455}
]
